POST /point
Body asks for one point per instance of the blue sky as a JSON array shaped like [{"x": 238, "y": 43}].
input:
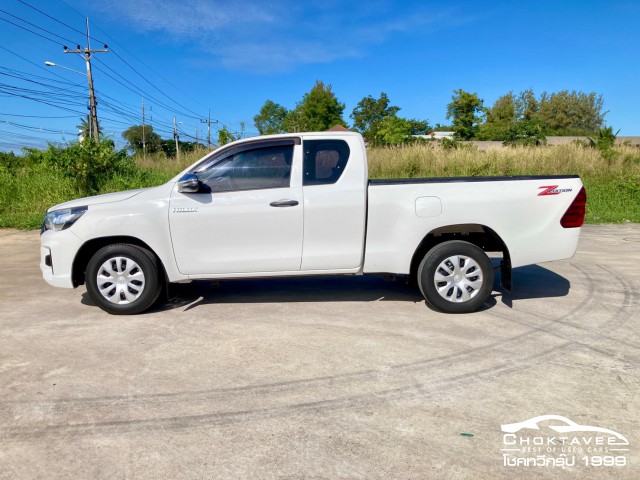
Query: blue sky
[{"x": 230, "y": 56}]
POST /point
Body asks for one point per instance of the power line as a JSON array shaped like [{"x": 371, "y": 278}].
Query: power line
[
  {"x": 31, "y": 127},
  {"x": 59, "y": 100},
  {"x": 153, "y": 85},
  {"x": 41, "y": 101},
  {"x": 35, "y": 116},
  {"x": 20, "y": 77},
  {"x": 27, "y": 76},
  {"x": 47, "y": 94},
  {"x": 138, "y": 59},
  {"x": 37, "y": 26},
  {"x": 33, "y": 63},
  {"x": 137, "y": 90},
  {"x": 124, "y": 61},
  {"x": 31, "y": 31},
  {"x": 56, "y": 20}
]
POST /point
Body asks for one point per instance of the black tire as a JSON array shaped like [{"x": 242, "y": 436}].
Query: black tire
[
  {"x": 455, "y": 290},
  {"x": 139, "y": 287}
]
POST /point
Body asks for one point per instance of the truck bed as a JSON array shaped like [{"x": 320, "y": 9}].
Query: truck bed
[{"x": 524, "y": 211}]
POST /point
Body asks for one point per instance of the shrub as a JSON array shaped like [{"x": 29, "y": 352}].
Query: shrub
[{"x": 90, "y": 163}]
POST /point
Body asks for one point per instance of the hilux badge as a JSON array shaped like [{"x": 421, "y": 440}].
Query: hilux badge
[{"x": 185, "y": 210}]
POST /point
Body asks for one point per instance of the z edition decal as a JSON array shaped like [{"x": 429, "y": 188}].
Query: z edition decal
[
  {"x": 553, "y": 190},
  {"x": 554, "y": 441}
]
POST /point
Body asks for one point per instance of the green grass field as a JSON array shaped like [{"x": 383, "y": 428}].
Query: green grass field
[{"x": 612, "y": 181}]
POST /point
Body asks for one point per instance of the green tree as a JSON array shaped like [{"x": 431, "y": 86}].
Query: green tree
[
  {"x": 604, "y": 139},
  {"x": 525, "y": 132},
  {"x": 499, "y": 119},
  {"x": 133, "y": 136},
  {"x": 270, "y": 119},
  {"x": 169, "y": 147},
  {"x": 438, "y": 127},
  {"x": 503, "y": 110},
  {"x": 466, "y": 111},
  {"x": 571, "y": 113},
  {"x": 9, "y": 162},
  {"x": 318, "y": 110},
  {"x": 227, "y": 136},
  {"x": 526, "y": 105},
  {"x": 393, "y": 131},
  {"x": 294, "y": 122},
  {"x": 419, "y": 127},
  {"x": 85, "y": 127},
  {"x": 369, "y": 113}
]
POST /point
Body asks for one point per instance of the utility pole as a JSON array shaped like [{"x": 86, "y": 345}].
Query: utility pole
[
  {"x": 92, "y": 98},
  {"x": 144, "y": 143},
  {"x": 175, "y": 136},
  {"x": 208, "y": 122}
]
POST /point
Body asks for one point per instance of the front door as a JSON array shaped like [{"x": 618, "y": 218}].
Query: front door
[{"x": 248, "y": 216}]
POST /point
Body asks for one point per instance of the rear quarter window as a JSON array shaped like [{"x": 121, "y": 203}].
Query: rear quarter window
[{"x": 324, "y": 161}]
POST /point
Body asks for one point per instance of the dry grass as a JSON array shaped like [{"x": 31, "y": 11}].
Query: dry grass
[
  {"x": 427, "y": 161},
  {"x": 612, "y": 179},
  {"x": 161, "y": 163}
]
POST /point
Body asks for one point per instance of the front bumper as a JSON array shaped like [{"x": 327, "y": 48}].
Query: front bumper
[{"x": 58, "y": 249}]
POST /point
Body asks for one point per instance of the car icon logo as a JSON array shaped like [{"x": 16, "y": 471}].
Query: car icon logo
[{"x": 568, "y": 427}]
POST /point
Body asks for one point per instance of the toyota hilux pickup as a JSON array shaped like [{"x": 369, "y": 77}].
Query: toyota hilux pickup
[{"x": 302, "y": 204}]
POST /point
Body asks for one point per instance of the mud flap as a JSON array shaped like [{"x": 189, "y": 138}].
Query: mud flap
[{"x": 506, "y": 281}]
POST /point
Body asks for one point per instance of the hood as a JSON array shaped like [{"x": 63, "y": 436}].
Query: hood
[{"x": 98, "y": 199}]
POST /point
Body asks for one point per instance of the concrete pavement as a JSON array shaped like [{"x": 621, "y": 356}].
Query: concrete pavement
[{"x": 341, "y": 377}]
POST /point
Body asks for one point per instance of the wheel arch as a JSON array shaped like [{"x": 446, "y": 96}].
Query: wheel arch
[
  {"x": 479, "y": 235},
  {"x": 90, "y": 247}
]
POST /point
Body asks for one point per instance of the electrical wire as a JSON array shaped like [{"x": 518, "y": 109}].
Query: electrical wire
[
  {"x": 31, "y": 31},
  {"x": 34, "y": 116},
  {"x": 135, "y": 89},
  {"x": 60, "y": 99},
  {"x": 59, "y": 21},
  {"x": 37, "y": 26},
  {"x": 32, "y": 63}
]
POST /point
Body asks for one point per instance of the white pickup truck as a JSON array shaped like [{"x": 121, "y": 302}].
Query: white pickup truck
[{"x": 302, "y": 204}]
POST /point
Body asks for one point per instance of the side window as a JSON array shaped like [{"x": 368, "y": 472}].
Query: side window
[
  {"x": 324, "y": 161},
  {"x": 267, "y": 167}
]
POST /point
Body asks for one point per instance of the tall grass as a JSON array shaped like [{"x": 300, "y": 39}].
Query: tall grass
[
  {"x": 28, "y": 193},
  {"x": 612, "y": 180}
]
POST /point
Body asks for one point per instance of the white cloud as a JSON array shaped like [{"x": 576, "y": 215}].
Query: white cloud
[
  {"x": 182, "y": 19},
  {"x": 274, "y": 35}
]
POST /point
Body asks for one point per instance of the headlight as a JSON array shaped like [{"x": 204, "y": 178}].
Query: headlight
[{"x": 61, "y": 219}]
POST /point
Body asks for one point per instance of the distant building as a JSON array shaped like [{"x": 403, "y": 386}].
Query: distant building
[
  {"x": 436, "y": 135},
  {"x": 338, "y": 128}
]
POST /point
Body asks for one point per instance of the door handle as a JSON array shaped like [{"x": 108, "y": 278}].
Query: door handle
[{"x": 284, "y": 203}]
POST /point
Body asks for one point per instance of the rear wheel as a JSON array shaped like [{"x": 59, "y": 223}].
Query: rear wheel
[
  {"x": 123, "y": 279},
  {"x": 456, "y": 277}
]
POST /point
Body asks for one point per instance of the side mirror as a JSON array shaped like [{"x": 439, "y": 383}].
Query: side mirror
[{"x": 189, "y": 183}]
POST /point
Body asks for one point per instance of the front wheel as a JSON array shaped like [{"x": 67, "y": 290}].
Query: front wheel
[
  {"x": 123, "y": 279},
  {"x": 456, "y": 277}
]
